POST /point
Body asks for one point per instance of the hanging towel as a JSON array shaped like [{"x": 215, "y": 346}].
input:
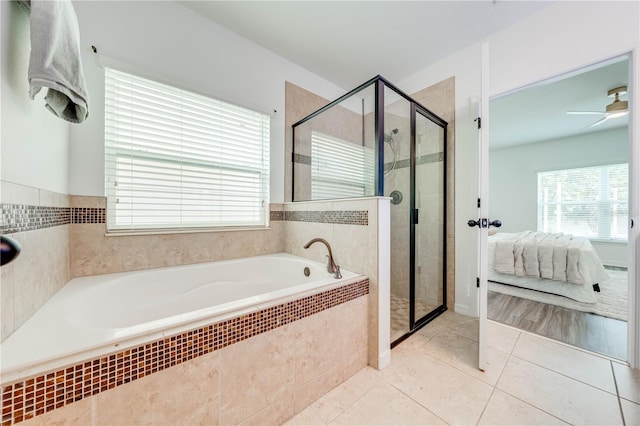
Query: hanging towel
[{"x": 55, "y": 59}]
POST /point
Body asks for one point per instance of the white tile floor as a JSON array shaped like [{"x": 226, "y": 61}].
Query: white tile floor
[{"x": 529, "y": 380}]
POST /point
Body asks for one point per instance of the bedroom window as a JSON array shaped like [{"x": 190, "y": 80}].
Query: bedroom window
[
  {"x": 340, "y": 169},
  {"x": 176, "y": 160},
  {"x": 589, "y": 201}
]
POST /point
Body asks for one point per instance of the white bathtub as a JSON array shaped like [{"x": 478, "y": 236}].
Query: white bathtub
[{"x": 91, "y": 316}]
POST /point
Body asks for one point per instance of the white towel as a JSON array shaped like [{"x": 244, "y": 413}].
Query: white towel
[{"x": 55, "y": 59}]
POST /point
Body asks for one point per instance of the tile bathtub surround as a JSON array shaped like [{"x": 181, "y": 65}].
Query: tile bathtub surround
[{"x": 37, "y": 395}]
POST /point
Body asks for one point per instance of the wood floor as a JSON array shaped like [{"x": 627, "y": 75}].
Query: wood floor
[{"x": 588, "y": 331}]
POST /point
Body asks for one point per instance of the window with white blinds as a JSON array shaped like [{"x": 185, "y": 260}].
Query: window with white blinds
[
  {"x": 340, "y": 169},
  {"x": 589, "y": 201},
  {"x": 177, "y": 160}
]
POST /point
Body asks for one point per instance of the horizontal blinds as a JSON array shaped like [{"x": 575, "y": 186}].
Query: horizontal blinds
[
  {"x": 175, "y": 159},
  {"x": 340, "y": 169},
  {"x": 588, "y": 201}
]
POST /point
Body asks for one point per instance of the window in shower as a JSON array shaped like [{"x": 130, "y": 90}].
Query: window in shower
[
  {"x": 340, "y": 169},
  {"x": 179, "y": 160}
]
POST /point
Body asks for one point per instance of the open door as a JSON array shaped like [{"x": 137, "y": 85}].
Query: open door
[{"x": 482, "y": 222}]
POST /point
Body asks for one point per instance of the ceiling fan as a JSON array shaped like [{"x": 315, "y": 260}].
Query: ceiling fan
[{"x": 615, "y": 109}]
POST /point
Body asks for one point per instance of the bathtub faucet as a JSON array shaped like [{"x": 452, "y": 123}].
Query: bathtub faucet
[{"x": 331, "y": 265}]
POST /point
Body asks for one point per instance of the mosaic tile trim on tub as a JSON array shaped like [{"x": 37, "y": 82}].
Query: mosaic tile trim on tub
[{"x": 37, "y": 395}]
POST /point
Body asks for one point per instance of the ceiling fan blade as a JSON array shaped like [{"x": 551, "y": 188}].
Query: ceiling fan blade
[
  {"x": 602, "y": 120},
  {"x": 585, "y": 112}
]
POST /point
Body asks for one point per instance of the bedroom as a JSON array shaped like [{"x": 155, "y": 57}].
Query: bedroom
[{"x": 559, "y": 165}]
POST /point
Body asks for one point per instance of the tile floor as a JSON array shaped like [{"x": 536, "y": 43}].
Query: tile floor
[
  {"x": 529, "y": 380},
  {"x": 400, "y": 315}
]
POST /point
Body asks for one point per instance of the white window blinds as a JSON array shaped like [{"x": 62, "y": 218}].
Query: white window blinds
[
  {"x": 179, "y": 160},
  {"x": 590, "y": 201},
  {"x": 340, "y": 169}
]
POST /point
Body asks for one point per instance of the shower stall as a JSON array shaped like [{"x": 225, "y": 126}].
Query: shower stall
[{"x": 378, "y": 141}]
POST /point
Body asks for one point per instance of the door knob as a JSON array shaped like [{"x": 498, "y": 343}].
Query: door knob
[{"x": 484, "y": 223}]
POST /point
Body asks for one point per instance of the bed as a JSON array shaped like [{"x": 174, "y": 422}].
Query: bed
[{"x": 560, "y": 264}]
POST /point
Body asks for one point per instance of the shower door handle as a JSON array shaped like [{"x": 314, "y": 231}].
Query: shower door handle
[{"x": 415, "y": 216}]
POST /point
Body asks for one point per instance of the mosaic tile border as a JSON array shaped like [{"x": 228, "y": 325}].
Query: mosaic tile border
[
  {"x": 43, "y": 393},
  {"x": 301, "y": 159},
  {"x": 23, "y": 217},
  {"x": 342, "y": 217},
  {"x": 423, "y": 159},
  {"x": 88, "y": 215},
  {"x": 276, "y": 215}
]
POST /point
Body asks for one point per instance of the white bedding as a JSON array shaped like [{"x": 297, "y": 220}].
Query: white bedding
[{"x": 553, "y": 263}]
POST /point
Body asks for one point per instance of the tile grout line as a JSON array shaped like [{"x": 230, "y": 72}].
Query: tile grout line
[
  {"x": 615, "y": 383},
  {"x": 409, "y": 396},
  {"x": 498, "y": 379},
  {"x": 534, "y": 406},
  {"x": 513, "y": 396},
  {"x": 567, "y": 376}
]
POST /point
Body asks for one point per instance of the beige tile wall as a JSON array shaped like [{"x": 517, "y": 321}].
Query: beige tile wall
[
  {"x": 355, "y": 248},
  {"x": 92, "y": 252},
  {"x": 262, "y": 380},
  {"x": 42, "y": 267},
  {"x": 440, "y": 99}
]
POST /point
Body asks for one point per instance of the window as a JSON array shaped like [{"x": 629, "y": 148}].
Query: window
[
  {"x": 178, "y": 160},
  {"x": 340, "y": 169},
  {"x": 590, "y": 201}
]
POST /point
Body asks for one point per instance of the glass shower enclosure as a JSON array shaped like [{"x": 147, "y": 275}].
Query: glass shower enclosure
[{"x": 377, "y": 141}]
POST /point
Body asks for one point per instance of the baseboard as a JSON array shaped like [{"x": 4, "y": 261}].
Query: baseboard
[
  {"x": 464, "y": 310},
  {"x": 384, "y": 359}
]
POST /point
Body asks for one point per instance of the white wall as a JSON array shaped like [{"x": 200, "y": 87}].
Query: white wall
[
  {"x": 465, "y": 66},
  {"x": 560, "y": 38},
  {"x": 34, "y": 142},
  {"x": 513, "y": 174},
  {"x": 513, "y": 171},
  {"x": 169, "y": 42}
]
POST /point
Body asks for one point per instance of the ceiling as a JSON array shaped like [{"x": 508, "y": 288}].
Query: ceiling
[
  {"x": 349, "y": 42},
  {"x": 539, "y": 112}
]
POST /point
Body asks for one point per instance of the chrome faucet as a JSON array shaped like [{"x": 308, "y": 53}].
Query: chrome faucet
[{"x": 331, "y": 265}]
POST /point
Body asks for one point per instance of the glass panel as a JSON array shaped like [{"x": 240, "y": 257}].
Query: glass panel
[
  {"x": 397, "y": 125},
  {"x": 429, "y": 231},
  {"x": 334, "y": 153}
]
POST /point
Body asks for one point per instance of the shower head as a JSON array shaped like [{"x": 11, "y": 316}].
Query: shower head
[{"x": 388, "y": 138}]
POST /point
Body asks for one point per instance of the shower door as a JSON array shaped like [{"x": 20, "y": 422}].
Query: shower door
[{"x": 428, "y": 264}]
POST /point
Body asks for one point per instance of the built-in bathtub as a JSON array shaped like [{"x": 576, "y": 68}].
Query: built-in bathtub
[{"x": 102, "y": 331}]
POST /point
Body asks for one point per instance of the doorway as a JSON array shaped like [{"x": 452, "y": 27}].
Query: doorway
[{"x": 559, "y": 165}]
